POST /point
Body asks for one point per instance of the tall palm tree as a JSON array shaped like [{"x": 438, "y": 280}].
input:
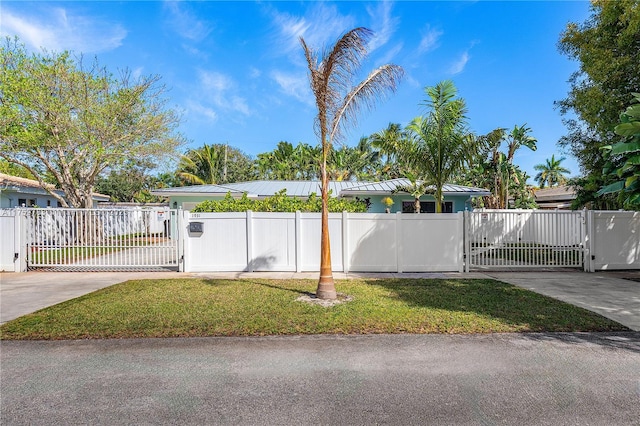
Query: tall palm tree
[
  {"x": 331, "y": 77},
  {"x": 440, "y": 142},
  {"x": 551, "y": 172}
]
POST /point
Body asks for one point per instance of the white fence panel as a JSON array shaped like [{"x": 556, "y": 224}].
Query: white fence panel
[
  {"x": 9, "y": 244},
  {"x": 273, "y": 242},
  {"x": 309, "y": 240},
  {"x": 431, "y": 242},
  {"x": 616, "y": 240},
  {"x": 221, "y": 246},
  {"x": 371, "y": 242}
]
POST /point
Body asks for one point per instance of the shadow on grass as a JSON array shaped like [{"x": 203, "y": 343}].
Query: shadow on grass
[
  {"x": 499, "y": 300},
  {"x": 296, "y": 291}
]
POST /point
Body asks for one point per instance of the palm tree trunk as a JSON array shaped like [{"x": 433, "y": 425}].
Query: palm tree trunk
[{"x": 326, "y": 286}]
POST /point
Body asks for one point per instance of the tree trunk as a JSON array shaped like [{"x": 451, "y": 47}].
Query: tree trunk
[
  {"x": 326, "y": 286},
  {"x": 438, "y": 201}
]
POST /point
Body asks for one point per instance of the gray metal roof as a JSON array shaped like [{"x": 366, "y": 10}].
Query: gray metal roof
[
  {"x": 390, "y": 186},
  {"x": 257, "y": 188},
  {"x": 302, "y": 188}
]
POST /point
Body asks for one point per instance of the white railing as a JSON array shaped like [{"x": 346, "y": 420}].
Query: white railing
[
  {"x": 67, "y": 239},
  {"x": 525, "y": 238}
]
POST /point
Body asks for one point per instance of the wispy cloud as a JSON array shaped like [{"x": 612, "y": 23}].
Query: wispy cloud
[
  {"x": 199, "y": 109},
  {"x": 185, "y": 23},
  {"x": 390, "y": 54},
  {"x": 430, "y": 39},
  {"x": 321, "y": 25},
  {"x": 221, "y": 91},
  {"x": 254, "y": 72},
  {"x": 383, "y": 24},
  {"x": 295, "y": 85},
  {"x": 458, "y": 66},
  {"x": 58, "y": 29}
]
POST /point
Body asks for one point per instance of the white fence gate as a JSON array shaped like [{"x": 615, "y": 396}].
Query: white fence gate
[
  {"x": 499, "y": 239},
  {"x": 100, "y": 239}
]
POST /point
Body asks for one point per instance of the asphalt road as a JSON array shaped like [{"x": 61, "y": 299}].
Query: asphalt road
[{"x": 523, "y": 379}]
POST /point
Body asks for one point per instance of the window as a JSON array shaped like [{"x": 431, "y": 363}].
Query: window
[
  {"x": 23, "y": 202},
  {"x": 427, "y": 207}
]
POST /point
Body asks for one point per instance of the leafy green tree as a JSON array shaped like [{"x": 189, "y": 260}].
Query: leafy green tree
[
  {"x": 131, "y": 183},
  {"x": 439, "y": 143},
  {"x": 12, "y": 169},
  {"x": 215, "y": 164},
  {"x": 338, "y": 101},
  {"x": 608, "y": 49},
  {"x": 551, "y": 173},
  {"x": 59, "y": 117},
  {"x": 623, "y": 158}
]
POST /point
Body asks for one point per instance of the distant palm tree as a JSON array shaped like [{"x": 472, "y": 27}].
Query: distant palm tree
[
  {"x": 202, "y": 166},
  {"x": 551, "y": 172},
  {"x": 518, "y": 137},
  {"x": 387, "y": 142},
  {"x": 338, "y": 101}
]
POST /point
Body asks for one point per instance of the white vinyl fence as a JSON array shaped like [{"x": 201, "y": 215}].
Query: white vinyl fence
[
  {"x": 9, "y": 241},
  {"x": 66, "y": 239},
  {"x": 364, "y": 242}
]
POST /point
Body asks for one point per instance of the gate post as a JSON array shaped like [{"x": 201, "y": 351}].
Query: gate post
[
  {"x": 589, "y": 234},
  {"x": 467, "y": 240},
  {"x": 20, "y": 233}
]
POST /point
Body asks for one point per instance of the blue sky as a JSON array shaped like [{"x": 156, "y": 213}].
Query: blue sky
[{"x": 237, "y": 74}]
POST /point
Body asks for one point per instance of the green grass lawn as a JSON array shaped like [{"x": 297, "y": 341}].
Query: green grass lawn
[{"x": 257, "y": 307}]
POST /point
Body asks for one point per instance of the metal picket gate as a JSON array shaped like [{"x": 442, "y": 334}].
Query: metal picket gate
[
  {"x": 101, "y": 239},
  {"x": 504, "y": 239}
]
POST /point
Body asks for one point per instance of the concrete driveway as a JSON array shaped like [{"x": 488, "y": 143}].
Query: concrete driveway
[
  {"x": 510, "y": 379},
  {"x": 603, "y": 292}
]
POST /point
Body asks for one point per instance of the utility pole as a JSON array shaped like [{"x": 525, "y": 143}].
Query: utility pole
[{"x": 224, "y": 169}]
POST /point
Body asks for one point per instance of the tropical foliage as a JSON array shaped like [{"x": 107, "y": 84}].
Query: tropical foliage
[
  {"x": 498, "y": 172},
  {"x": 435, "y": 147},
  {"x": 623, "y": 158},
  {"x": 287, "y": 162},
  {"x": 607, "y": 48},
  {"x": 338, "y": 101},
  {"x": 215, "y": 164}
]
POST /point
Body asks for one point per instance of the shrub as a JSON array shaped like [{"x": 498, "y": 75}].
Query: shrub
[{"x": 280, "y": 202}]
